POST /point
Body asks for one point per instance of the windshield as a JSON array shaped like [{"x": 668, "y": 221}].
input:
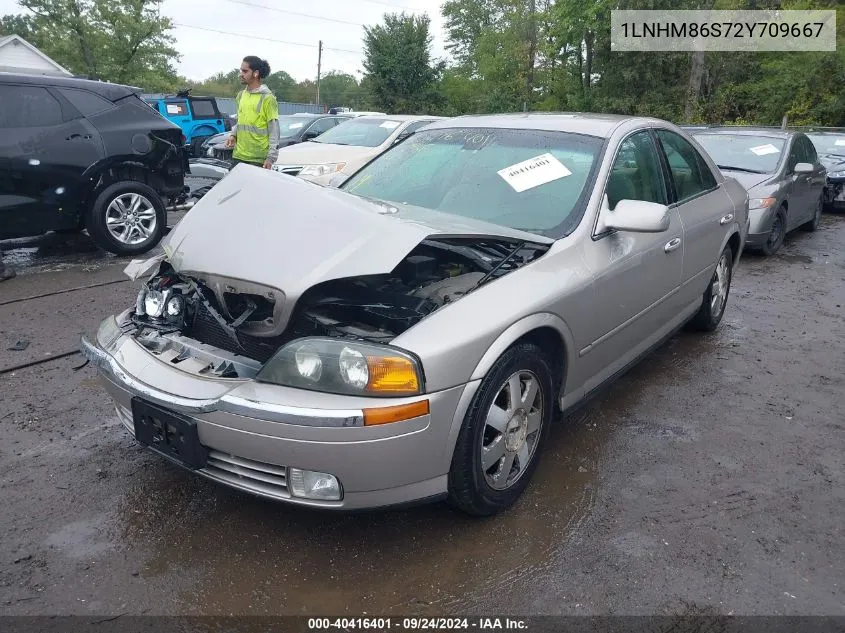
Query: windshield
[
  {"x": 743, "y": 152},
  {"x": 360, "y": 132},
  {"x": 292, "y": 125},
  {"x": 828, "y": 143},
  {"x": 531, "y": 180}
]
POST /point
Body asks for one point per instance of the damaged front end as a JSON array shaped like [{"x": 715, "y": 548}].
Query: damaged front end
[{"x": 214, "y": 326}]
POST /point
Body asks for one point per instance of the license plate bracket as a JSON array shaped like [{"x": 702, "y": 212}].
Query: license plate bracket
[{"x": 169, "y": 434}]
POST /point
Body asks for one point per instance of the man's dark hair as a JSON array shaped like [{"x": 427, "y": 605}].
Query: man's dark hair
[{"x": 258, "y": 64}]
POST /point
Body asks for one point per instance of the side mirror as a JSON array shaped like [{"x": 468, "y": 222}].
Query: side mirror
[
  {"x": 637, "y": 216},
  {"x": 804, "y": 168}
]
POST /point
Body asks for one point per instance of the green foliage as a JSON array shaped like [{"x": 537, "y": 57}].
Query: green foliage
[
  {"x": 123, "y": 41},
  {"x": 398, "y": 64}
]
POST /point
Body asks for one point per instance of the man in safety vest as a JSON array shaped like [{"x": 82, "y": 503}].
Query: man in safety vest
[{"x": 256, "y": 135}]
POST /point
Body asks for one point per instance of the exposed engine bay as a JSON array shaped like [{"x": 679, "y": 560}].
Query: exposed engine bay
[{"x": 233, "y": 330}]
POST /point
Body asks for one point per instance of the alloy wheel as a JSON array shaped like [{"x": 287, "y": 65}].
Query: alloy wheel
[
  {"x": 512, "y": 430},
  {"x": 131, "y": 218}
]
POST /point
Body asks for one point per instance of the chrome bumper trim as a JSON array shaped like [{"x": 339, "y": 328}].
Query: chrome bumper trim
[{"x": 298, "y": 416}]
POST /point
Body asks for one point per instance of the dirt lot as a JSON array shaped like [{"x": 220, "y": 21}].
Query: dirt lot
[{"x": 709, "y": 479}]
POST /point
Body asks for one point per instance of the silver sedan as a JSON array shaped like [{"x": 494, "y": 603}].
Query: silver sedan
[
  {"x": 413, "y": 334},
  {"x": 782, "y": 173}
]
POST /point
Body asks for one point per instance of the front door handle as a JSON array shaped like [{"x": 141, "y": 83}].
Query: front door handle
[
  {"x": 727, "y": 218},
  {"x": 672, "y": 244}
]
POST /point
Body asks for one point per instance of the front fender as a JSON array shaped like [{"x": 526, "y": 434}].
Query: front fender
[{"x": 517, "y": 331}]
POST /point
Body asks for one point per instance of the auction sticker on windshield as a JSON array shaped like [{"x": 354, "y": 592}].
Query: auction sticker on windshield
[
  {"x": 534, "y": 172},
  {"x": 390, "y": 125},
  {"x": 762, "y": 150},
  {"x": 840, "y": 142}
]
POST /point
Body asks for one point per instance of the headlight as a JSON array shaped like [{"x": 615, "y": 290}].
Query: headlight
[
  {"x": 154, "y": 303},
  {"x": 761, "y": 203},
  {"x": 175, "y": 306},
  {"x": 321, "y": 170},
  {"x": 344, "y": 367},
  {"x": 836, "y": 174}
]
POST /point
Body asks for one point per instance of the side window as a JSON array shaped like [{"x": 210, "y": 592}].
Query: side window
[
  {"x": 690, "y": 172},
  {"x": 810, "y": 155},
  {"x": 203, "y": 109},
  {"x": 176, "y": 108},
  {"x": 636, "y": 174},
  {"x": 28, "y": 106},
  {"x": 86, "y": 102},
  {"x": 323, "y": 125}
]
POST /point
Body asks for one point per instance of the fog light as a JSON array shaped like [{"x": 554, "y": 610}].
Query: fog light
[{"x": 308, "y": 484}]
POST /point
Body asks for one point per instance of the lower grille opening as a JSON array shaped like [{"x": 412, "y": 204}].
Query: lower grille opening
[{"x": 259, "y": 477}]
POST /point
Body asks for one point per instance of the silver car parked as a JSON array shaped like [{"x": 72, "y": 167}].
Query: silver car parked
[
  {"x": 782, "y": 173},
  {"x": 413, "y": 334}
]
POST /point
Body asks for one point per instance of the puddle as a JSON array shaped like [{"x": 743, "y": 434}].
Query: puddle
[{"x": 81, "y": 539}]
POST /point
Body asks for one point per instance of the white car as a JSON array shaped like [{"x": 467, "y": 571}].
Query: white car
[{"x": 348, "y": 147}]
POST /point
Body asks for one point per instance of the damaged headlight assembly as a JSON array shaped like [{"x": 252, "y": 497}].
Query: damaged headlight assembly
[{"x": 344, "y": 367}]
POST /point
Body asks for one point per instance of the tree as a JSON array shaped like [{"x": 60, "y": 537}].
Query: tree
[
  {"x": 398, "y": 64},
  {"x": 123, "y": 41}
]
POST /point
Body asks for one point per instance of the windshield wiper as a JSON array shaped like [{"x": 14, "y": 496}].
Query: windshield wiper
[{"x": 745, "y": 169}]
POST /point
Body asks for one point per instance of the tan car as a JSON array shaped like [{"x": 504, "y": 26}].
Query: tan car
[
  {"x": 348, "y": 147},
  {"x": 413, "y": 334}
]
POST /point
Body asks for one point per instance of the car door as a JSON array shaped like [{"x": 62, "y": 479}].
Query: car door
[
  {"x": 800, "y": 205},
  {"x": 818, "y": 178},
  {"x": 45, "y": 147},
  {"x": 705, "y": 211},
  {"x": 636, "y": 275}
]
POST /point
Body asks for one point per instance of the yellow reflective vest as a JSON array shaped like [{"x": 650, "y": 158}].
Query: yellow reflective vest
[{"x": 252, "y": 132}]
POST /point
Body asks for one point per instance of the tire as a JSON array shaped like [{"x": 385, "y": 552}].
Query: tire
[
  {"x": 470, "y": 488},
  {"x": 776, "y": 235},
  {"x": 813, "y": 224},
  {"x": 715, "y": 298},
  {"x": 115, "y": 202}
]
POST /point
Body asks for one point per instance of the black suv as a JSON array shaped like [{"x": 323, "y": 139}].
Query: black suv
[{"x": 78, "y": 154}]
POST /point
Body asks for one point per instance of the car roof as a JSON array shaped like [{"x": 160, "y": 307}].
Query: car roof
[
  {"x": 600, "y": 125},
  {"x": 402, "y": 117},
  {"x": 749, "y": 131},
  {"x": 110, "y": 91}
]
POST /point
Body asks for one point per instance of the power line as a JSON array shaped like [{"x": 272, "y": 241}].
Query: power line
[
  {"x": 303, "y": 15},
  {"x": 267, "y": 39}
]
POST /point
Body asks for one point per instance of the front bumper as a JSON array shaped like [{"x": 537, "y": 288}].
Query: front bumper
[
  {"x": 760, "y": 226},
  {"x": 254, "y": 432}
]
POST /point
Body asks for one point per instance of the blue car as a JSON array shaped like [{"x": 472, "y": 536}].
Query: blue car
[{"x": 199, "y": 117}]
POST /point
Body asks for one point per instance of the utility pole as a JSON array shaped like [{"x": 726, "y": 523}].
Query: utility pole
[{"x": 319, "y": 62}]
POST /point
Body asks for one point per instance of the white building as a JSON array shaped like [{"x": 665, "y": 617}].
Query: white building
[{"x": 19, "y": 56}]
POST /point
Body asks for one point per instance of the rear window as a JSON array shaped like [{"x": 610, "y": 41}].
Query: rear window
[
  {"x": 203, "y": 109},
  {"x": 86, "y": 102}
]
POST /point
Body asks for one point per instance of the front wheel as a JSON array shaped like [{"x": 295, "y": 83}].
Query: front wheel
[
  {"x": 127, "y": 218},
  {"x": 776, "y": 235},
  {"x": 504, "y": 429},
  {"x": 715, "y": 298}
]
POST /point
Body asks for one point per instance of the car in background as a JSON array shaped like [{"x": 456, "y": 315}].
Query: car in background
[
  {"x": 293, "y": 129},
  {"x": 348, "y": 147},
  {"x": 199, "y": 117},
  {"x": 781, "y": 172},
  {"x": 414, "y": 334},
  {"x": 830, "y": 147},
  {"x": 78, "y": 154}
]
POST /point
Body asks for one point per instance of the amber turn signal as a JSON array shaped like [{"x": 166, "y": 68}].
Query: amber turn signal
[
  {"x": 386, "y": 415},
  {"x": 392, "y": 374}
]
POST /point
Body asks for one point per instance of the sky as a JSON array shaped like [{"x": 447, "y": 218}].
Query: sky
[{"x": 205, "y": 52}]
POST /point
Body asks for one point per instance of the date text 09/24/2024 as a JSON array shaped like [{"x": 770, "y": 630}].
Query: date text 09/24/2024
[{"x": 416, "y": 624}]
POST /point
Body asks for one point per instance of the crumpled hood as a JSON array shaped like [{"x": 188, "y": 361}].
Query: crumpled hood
[
  {"x": 745, "y": 179},
  {"x": 832, "y": 162},
  {"x": 264, "y": 227},
  {"x": 309, "y": 153}
]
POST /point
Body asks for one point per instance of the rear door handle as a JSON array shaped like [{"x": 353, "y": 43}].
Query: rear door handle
[
  {"x": 727, "y": 218},
  {"x": 672, "y": 244}
]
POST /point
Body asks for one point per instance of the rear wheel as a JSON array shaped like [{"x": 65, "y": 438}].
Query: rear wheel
[
  {"x": 127, "y": 218},
  {"x": 715, "y": 298},
  {"x": 504, "y": 430},
  {"x": 776, "y": 234}
]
